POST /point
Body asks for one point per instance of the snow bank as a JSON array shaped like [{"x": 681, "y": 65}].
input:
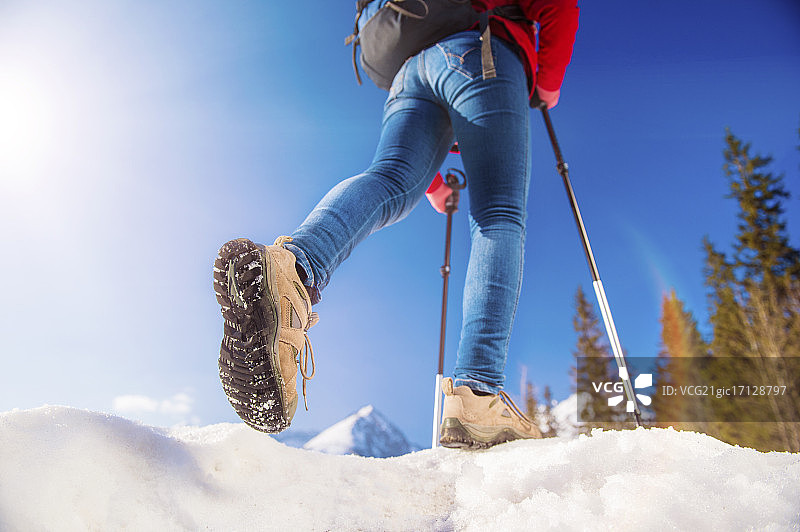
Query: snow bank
[{"x": 67, "y": 469}]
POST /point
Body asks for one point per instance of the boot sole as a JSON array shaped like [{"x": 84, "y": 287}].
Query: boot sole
[
  {"x": 456, "y": 435},
  {"x": 249, "y": 368}
]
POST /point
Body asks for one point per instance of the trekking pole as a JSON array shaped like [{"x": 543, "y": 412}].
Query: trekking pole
[
  {"x": 453, "y": 184},
  {"x": 605, "y": 310}
]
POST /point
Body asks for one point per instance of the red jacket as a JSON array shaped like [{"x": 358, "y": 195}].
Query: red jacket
[{"x": 558, "y": 23}]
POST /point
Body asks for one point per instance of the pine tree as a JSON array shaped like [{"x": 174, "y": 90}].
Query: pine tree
[
  {"x": 679, "y": 361},
  {"x": 594, "y": 367},
  {"x": 762, "y": 251},
  {"x": 542, "y": 416},
  {"x": 531, "y": 407},
  {"x": 755, "y": 298},
  {"x": 549, "y": 420}
]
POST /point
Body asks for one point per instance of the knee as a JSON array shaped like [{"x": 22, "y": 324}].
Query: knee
[
  {"x": 395, "y": 181},
  {"x": 505, "y": 218},
  {"x": 390, "y": 190},
  {"x": 395, "y": 176}
]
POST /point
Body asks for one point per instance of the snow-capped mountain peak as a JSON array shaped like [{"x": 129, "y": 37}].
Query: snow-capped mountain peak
[{"x": 364, "y": 433}]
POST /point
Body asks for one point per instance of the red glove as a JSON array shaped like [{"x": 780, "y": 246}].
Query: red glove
[
  {"x": 548, "y": 97},
  {"x": 438, "y": 193}
]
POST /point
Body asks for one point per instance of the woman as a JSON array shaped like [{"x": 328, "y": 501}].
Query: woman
[{"x": 439, "y": 96}]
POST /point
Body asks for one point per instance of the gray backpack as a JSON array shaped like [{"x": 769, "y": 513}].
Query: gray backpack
[{"x": 391, "y": 31}]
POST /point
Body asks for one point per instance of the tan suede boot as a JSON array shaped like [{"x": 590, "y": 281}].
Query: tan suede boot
[
  {"x": 476, "y": 422},
  {"x": 267, "y": 314}
]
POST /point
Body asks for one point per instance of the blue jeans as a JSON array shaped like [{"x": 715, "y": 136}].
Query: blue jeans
[{"x": 440, "y": 95}]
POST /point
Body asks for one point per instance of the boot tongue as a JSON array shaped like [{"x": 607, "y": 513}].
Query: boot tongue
[
  {"x": 313, "y": 319},
  {"x": 447, "y": 386}
]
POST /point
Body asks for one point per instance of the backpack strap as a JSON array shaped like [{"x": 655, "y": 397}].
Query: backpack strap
[
  {"x": 511, "y": 12},
  {"x": 487, "y": 60},
  {"x": 353, "y": 37},
  {"x": 393, "y": 4}
]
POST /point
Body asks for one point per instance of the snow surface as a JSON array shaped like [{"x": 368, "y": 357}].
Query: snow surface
[{"x": 68, "y": 469}]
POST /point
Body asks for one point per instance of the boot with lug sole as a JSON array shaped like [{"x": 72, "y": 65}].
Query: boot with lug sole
[
  {"x": 472, "y": 421},
  {"x": 267, "y": 314}
]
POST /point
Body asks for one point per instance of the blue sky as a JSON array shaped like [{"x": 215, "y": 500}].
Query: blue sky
[{"x": 137, "y": 137}]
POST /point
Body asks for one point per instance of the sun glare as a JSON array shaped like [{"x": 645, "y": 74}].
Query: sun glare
[{"x": 25, "y": 127}]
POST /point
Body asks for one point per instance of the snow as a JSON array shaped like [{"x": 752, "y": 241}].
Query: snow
[
  {"x": 566, "y": 416},
  {"x": 365, "y": 433},
  {"x": 68, "y": 469}
]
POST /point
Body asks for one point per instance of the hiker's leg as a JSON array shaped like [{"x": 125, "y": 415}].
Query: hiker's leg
[
  {"x": 491, "y": 123},
  {"x": 414, "y": 141}
]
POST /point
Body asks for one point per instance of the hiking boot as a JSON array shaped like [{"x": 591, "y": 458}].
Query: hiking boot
[
  {"x": 267, "y": 314},
  {"x": 472, "y": 421}
]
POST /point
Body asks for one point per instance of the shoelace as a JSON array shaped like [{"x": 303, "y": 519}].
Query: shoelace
[
  {"x": 281, "y": 240},
  {"x": 308, "y": 350},
  {"x": 511, "y": 404}
]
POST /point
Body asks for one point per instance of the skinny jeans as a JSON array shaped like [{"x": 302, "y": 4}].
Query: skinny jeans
[{"x": 437, "y": 97}]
